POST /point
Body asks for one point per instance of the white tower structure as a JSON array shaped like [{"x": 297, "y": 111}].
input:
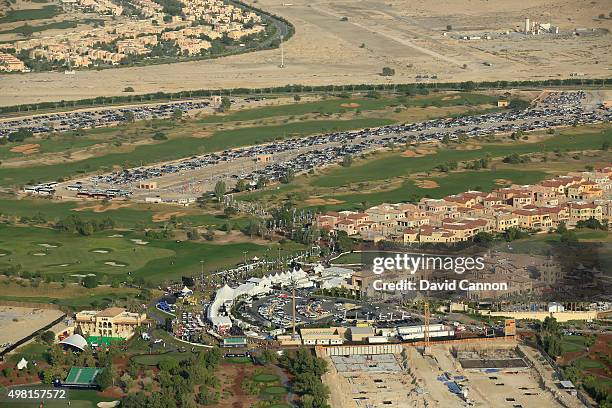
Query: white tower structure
[{"x": 527, "y": 25}]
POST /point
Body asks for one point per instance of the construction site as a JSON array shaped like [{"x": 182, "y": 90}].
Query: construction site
[{"x": 456, "y": 373}]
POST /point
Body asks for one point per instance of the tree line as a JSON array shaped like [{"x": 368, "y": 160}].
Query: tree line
[{"x": 202, "y": 93}]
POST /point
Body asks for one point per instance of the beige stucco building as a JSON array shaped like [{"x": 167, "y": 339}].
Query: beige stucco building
[{"x": 111, "y": 322}]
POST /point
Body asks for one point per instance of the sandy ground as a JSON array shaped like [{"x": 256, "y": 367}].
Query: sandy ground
[
  {"x": 322, "y": 201},
  {"x": 18, "y": 322},
  {"x": 406, "y": 35},
  {"x": 28, "y": 148},
  {"x": 503, "y": 182},
  {"x": 426, "y": 184},
  {"x": 500, "y": 389},
  {"x": 165, "y": 216},
  {"x": 99, "y": 208}
]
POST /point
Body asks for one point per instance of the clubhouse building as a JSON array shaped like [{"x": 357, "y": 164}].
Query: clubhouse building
[{"x": 114, "y": 322}]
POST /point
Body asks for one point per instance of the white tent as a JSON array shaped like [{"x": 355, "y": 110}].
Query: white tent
[
  {"x": 23, "y": 363},
  {"x": 76, "y": 340}
]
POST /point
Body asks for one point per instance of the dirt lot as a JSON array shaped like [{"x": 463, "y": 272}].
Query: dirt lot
[
  {"x": 404, "y": 35},
  {"x": 18, "y": 322}
]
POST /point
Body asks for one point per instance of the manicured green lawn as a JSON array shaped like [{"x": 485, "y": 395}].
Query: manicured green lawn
[
  {"x": 572, "y": 344},
  {"x": 78, "y": 398},
  {"x": 247, "y": 136},
  {"x": 584, "y": 363},
  {"x": 453, "y": 183},
  {"x": 331, "y": 106},
  {"x": 157, "y": 260},
  {"x": 55, "y": 145},
  {"x": 31, "y": 352},
  {"x": 238, "y": 360},
  {"x": 123, "y": 217},
  {"x": 30, "y": 14},
  {"x": 396, "y": 165},
  {"x": 266, "y": 378},
  {"x": 154, "y": 359},
  {"x": 179, "y": 148},
  {"x": 275, "y": 390}
]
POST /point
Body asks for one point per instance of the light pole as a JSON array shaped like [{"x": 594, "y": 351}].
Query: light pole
[{"x": 282, "y": 64}]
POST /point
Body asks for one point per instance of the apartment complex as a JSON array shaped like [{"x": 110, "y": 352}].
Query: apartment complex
[
  {"x": 111, "y": 322},
  {"x": 200, "y": 23},
  {"x": 565, "y": 199},
  {"x": 9, "y": 63}
]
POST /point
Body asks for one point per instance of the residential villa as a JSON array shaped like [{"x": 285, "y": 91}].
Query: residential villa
[{"x": 566, "y": 199}]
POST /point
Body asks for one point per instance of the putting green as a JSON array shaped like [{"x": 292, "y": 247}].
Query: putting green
[
  {"x": 275, "y": 390},
  {"x": 265, "y": 378}
]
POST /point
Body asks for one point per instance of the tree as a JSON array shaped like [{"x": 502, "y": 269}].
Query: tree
[
  {"x": 484, "y": 238},
  {"x": 241, "y": 185},
  {"x": 220, "y": 190},
  {"x": 229, "y": 211},
  {"x": 569, "y": 237},
  {"x": 347, "y": 161},
  {"x": 288, "y": 176},
  {"x": 268, "y": 356},
  {"x": 177, "y": 114},
  {"x": 19, "y": 135},
  {"x": 262, "y": 181},
  {"x": 449, "y": 27},
  {"x": 226, "y": 103},
  {"x": 27, "y": 30},
  {"x": 562, "y": 228},
  {"x": 159, "y": 135},
  {"x": 605, "y": 146},
  {"x": 514, "y": 158},
  {"x": 518, "y": 104},
  {"x": 468, "y": 86},
  {"x": 388, "y": 71},
  {"x": 297, "y": 98},
  {"x": 344, "y": 242},
  {"x": 128, "y": 116},
  {"x": 90, "y": 281},
  {"x": 48, "y": 337},
  {"x": 105, "y": 378}
]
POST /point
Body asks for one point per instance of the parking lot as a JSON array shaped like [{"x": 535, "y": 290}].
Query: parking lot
[{"x": 189, "y": 178}]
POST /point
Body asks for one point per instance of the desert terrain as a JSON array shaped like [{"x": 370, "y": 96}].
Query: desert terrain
[{"x": 349, "y": 42}]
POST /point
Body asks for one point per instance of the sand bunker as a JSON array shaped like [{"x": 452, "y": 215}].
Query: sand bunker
[
  {"x": 426, "y": 184},
  {"x": 108, "y": 404},
  {"x": 425, "y": 152},
  {"x": 418, "y": 152},
  {"x": 139, "y": 241},
  {"x": 28, "y": 148},
  {"x": 502, "y": 182},
  {"x": 116, "y": 236},
  {"x": 48, "y": 245},
  {"x": 469, "y": 147},
  {"x": 98, "y": 208},
  {"x": 39, "y": 254},
  {"x": 450, "y": 97},
  {"x": 160, "y": 217},
  {"x": 116, "y": 264},
  {"x": 100, "y": 251},
  {"x": 350, "y": 105},
  {"x": 322, "y": 201}
]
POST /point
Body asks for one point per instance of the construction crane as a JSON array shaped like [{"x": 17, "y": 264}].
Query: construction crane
[{"x": 427, "y": 322}]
